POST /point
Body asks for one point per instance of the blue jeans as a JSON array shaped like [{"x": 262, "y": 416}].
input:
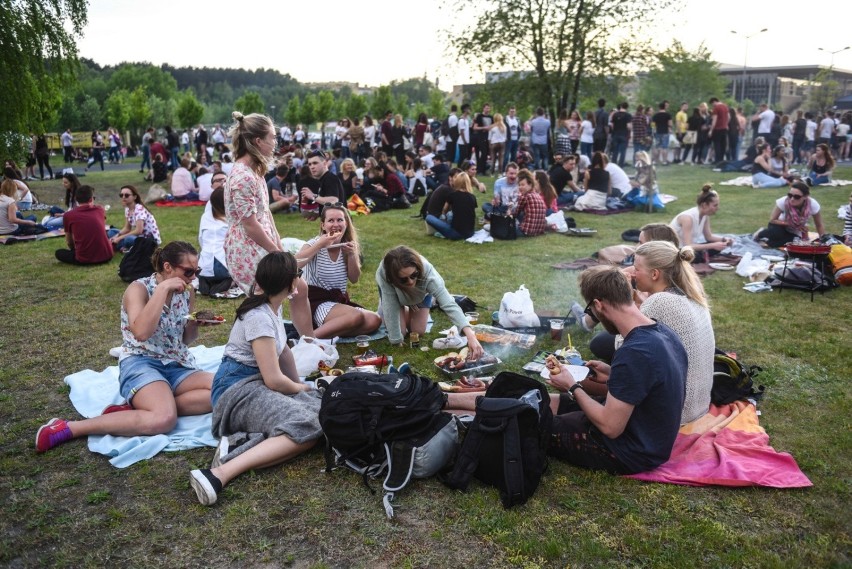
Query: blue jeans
[
  {"x": 444, "y": 228},
  {"x": 539, "y": 152},
  {"x": 127, "y": 242},
  {"x": 511, "y": 153},
  {"x": 818, "y": 179},
  {"x": 586, "y": 149},
  {"x": 146, "y": 158},
  {"x": 761, "y": 180},
  {"x": 488, "y": 208},
  {"x": 230, "y": 372},
  {"x": 619, "y": 149},
  {"x": 175, "y": 158}
]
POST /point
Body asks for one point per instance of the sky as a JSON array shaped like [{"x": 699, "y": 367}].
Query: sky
[{"x": 359, "y": 47}]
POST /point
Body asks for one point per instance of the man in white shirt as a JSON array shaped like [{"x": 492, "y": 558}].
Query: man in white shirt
[
  {"x": 618, "y": 179},
  {"x": 766, "y": 116},
  {"x": 218, "y": 134},
  {"x": 505, "y": 193},
  {"x": 464, "y": 134},
  {"x": 205, "y": 183},
  {"x": 452, "y": 135},
  {"x": 285, "y": 134},
  {"x": 513, "y": 131},
  {"x": 184, "y": 140},
  {"x": 427, "y": 156},
  {"x": 826, "y": 128},
  {"x": 67, "y": 145}
]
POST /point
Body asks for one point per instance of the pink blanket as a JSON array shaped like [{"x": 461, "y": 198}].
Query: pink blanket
[{"x": 727, "y": 447}]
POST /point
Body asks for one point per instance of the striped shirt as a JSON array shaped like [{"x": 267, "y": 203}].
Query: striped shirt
[{"x": 322, "y": 272}]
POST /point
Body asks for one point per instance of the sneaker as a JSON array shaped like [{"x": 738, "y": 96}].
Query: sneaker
[
  {"x": 117, "y": 408},
  {"x": 206, "y": 486},
  {"x": 439, "y": 235},
  {"x": 578, "y": 313},
  {"x": 52, "y": 434},
  {"x": 404, "y": 369},
  {"x": 451, "y": 342},
  {"x": 221, "y": 452}
]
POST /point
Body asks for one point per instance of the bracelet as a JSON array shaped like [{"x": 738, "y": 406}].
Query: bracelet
[{"x": 575, "y": 387}]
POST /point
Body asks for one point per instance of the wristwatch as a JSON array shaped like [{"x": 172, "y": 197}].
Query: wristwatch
[{"x": 574, "y": 388}]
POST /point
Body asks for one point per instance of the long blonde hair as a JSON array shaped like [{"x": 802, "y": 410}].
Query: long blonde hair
[
  {"x": 498, "y": 122},
  {"x": 243, "y": 133},
  {"x": 675, "y": 265},
  {"x": 461, "y": 183}
]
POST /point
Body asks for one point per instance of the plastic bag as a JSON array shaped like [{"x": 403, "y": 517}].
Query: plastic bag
[
  {"x": 155, "y": 193},
  {"x": 309, "y": 352},
  {"x": 516, "y": 310},
  {"x": 556, "y": 222}
]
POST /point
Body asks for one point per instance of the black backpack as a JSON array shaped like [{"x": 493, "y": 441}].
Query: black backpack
[
  {"x": 733, "y": 381},
  {"x": 386, "y": 424},
  {"x": 506, "y": 444},
  {"x": 136, "y": 263},
  {"x": 503, "y": 227}
]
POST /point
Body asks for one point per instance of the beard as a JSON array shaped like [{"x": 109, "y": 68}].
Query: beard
[{"x": 608, "y": 324}]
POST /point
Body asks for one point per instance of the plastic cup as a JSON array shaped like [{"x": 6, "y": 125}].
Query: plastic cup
[
  {"x": 556, "y": 327},
  {"x": 362, "y": 341},
  {"x": 472, "y": 317}
]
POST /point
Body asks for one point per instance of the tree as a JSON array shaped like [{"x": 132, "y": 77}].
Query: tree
[
  {"x": 90, "y": 113},
  {"x": 400, "y": 105},
  {"x": 117, "y": 109},
  {"x": 356, "y": 107},
  {"x": 129, "y": 76},
  {"x": 309, "y": 111},
  {"x": 325, "y": 107},
  {"x": 680, "y": 75},
  {"x": 250, "y": 102},
  {"x": 559, "y": 41},
  {"x": 38, "y": 61},
  {"x": 140, "y": 111},
  {"x": 189, "y": 110},
  {"x": 293, "y": 114},
  {"x": 823, "y": 91},
  {"x": 436, "y": 109},
  {"x": 163, "y": 112},
  {"x": 382, "y": 102}
]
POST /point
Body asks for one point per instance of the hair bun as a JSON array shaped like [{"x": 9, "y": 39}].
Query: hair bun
[
  {"x": 238, "y": 116},
  {"x": 686, "y": 254}
]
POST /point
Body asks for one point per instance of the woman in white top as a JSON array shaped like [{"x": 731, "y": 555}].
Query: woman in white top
[
  {"x": 497, "y": 134},
  {"x": 211, "y": 237},
  {"x": 587, "y": 135},
  {"x": 693, "y": 225},
  {"x": 331, "y": 261},
  {"x": 789, "y": 219},
  {"x": 369, "y": 131}
]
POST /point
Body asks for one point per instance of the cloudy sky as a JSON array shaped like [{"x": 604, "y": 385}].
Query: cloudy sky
[{"x": 375, "y": 41}]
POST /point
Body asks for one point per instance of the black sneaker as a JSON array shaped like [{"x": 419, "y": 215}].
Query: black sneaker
[{"x": 206, "y": 486}]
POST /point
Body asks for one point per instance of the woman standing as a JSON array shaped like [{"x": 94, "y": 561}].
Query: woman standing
[
  {"x": 573, "y": 124},
  {"x": 369, "y": 136},
  {"x": 138, "y": 220},
  {"x": 157, "y": 375},
  {"x": 587, "y": 135},
  {"x": 462, "y": 203},
  {"x": 497, "y": 143},
  {"x": 789, "y": 219},
  {"x": 693, "y": 225},
  {"x": 252, "y": 232},
  {"x": 563, "y": 140},
  {"x": 820, "y": 166},
  {"x": 331, "y": 261},
  {"x": 420, "y": 130},
  {"x": 408, "y": 287},
  {"x": 398, "y": 134},
  {"x": 257, "y": 389},
  {"x": 42, "y": 154}
]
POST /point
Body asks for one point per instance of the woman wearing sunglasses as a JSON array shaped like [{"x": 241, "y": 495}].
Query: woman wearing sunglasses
[
  {"x": 139, "y": 222},
  {"x": 257, "y": 390},
  {"x": 157, "y": 375},
  {"x": 789, "y": 219},
  {"x": 408, "y": 287},
  {"x": 331, "y": 260}
]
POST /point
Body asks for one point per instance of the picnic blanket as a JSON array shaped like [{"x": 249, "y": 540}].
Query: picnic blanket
[
  {"x": 746, "y": 181},
  {"x": 91, "y": 391},
  {"x": 727, "y": 447},
  {"x": 12, "y": 239},
  {"x": 167, "y": 203}
]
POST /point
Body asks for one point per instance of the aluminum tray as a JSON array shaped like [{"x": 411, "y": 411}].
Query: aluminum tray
[{"x": 475, "y": 370}]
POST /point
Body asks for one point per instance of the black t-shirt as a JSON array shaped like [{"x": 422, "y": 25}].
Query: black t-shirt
[
  {"x": 463, "y": 205},
  {"x": 620, "y": 120},
  {"x": 437, "y": 199},
  {"x": 799, "y": 132},
  {"x": 560, "y": 177},
  {"x": 661, "y": 120},
  {"x": 481, "y": 120},
  {"x": 441, "y": 173},
  {"x": 326, "y": 185}
]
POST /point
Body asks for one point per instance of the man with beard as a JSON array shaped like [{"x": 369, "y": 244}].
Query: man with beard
[{"x": 634, "y": 427}]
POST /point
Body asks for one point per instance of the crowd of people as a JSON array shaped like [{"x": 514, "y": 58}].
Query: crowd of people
[{"x": 658, "y": 336}]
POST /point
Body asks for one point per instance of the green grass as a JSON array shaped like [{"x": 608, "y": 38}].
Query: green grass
[{"x": 70, "y": 508}]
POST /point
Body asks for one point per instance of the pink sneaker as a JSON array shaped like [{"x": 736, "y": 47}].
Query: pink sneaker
[
  {"x": 54, "y": 433},
  {"x": 117, "y": 408}
]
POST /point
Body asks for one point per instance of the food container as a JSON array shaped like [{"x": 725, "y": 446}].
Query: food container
[
  {"x": 544, "y": 319},
  {"x": 470, "y": 369},
  {"x": 494, "y": 335},
  {"x": 582, "y": 231}
]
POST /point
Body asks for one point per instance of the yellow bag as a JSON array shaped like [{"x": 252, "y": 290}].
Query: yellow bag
[
  {"x": 841, "y": 261},
  {"x": 357, "y": 205}
]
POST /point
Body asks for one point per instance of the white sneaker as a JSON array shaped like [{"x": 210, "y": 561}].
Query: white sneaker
[
  {"x": 453, "y": 341},
  {"x": 221, "y": 452},
  {"x": 578, "y": 313}
]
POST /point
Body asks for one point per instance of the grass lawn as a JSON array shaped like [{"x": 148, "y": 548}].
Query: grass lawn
[{"x": 70, "y": 508}]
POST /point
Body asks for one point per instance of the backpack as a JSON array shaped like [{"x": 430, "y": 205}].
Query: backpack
[
  {"x": 506, "y": 444},
  {"x": 801, "y": 277},
  {"x": 136, "y": 263},
  {"x": 503, "y": 227},
  {"x": 386, "y": 424},
  {"x": 733, "y": 381}
]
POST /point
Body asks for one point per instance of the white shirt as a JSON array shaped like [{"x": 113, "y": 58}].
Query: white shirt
[
  {"x": 826, "y": 126},
  {"x": 810, "y": 130},
  {"x": 285, "y": 133},
  {"x": 513, "y": 127},
  {"x": 779, "y": 203},
  {"x": 588, "y": 134},
  {"x": 767, "y": 117},
  {"x": 211, "y": 238},
  {"x": 67, "y": 139},
  {"x": 205, "y": 188},
  {"x": 464, "y": 131},
  {"x": 427, "y": 159},
  {"x": 184, "y": 138},
  {"x": 496, "y": 136},
  {"x": 618, "y": 179},
  {"x": 452, "y": 120},
  {"x": 218, "y": 135}
]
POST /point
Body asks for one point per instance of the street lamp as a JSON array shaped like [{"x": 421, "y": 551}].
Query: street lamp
[
  {"x": 273, "y": 112},
  {"x": 832, "y": 54},
  {"x": 745, "y": 61}
]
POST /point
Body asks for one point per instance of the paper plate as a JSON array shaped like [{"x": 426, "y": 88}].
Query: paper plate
[
  {"x": 721, "y": 266},
  {"x": 579, "y": 372},
  {"x": 772, "y": 258}
]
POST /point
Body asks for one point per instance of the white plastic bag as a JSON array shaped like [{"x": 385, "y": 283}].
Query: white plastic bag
[
  {"x": 556, "y": 222},
  {"x": 309, "y": 352},
  {"x": 516, "y": 310}
]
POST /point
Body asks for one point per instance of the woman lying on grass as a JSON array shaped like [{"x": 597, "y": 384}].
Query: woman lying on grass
[
  {"x": 263, "y": 413},
  {"x": 157, "y": 374}
]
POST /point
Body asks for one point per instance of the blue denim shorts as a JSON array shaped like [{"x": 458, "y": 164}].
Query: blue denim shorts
[
  {"x": 661, "y": 140},
  {"x": 135, "y": 372},
  {"x": 230, "y": 372}
]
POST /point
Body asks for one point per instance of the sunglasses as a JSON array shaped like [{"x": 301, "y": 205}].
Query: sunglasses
[
  {"x": 412, "y": 277},
  {"x": 588, "y": 310},
  {"x": 188, "y": 272},
  {"x": 298, "y": 273},
  {"x": 123, "y": 195},
  {"x": 795, "y": 196}
]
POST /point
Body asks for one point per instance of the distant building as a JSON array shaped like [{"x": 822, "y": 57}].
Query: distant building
[{"x": 784, "y": 88}]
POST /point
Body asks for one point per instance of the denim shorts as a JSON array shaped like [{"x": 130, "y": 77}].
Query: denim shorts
[
  {"x": 230, "y": 372},
  {"x": 661, "y": 140},
  {"x": 135, "y": 372}
]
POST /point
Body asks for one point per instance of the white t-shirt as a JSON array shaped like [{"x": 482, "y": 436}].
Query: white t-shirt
[
  {"x": 205, "y": 187},
  {"x": 513, "y": 125},
  {"x": 464, "y": 131},
  {"x": 285, "y": 133},
  {"x": 496, "y": 136},
  {"x": 810, "y": 130},
  {"x": 211, "y": 238},
  {"x": 826, "y": 125},
  {"x": 779, "y": 203},
  {"x": 619, "y": 179},
  {"x": 218, "y": 136},
  {"x": 588, "y": 132},
  {"x": 767, "y": 117},
  {"x": 184, "y": 138}
]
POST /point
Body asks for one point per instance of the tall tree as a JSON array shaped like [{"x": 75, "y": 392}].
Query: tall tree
[
  {"x": 250, "y": 102},
  {"x": 190, "y": 111},
  {"x": 437, "y": 108},
  {"x": 325, "y": 106},
  {"x": 132, "y": 75},
  {"x": 382, "y": 102},
  {"x": 824, "y": 89},
  {"x": 356, "y": 107},
  {"x": 293, "y": 114},
  {"x": 117, "y": 109},
  {"x": 140, "y": 111},
  {"x": 38, "y": 60},
  {"x": 309, "y": 111},
  {"x": 680, "y": 75},
  {"x": 559, "y": 41}
]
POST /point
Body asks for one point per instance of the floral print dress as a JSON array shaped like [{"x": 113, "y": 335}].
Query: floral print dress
[
  {"x": 246, "y": 195},
  {"x": 149, "y": 224}
]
